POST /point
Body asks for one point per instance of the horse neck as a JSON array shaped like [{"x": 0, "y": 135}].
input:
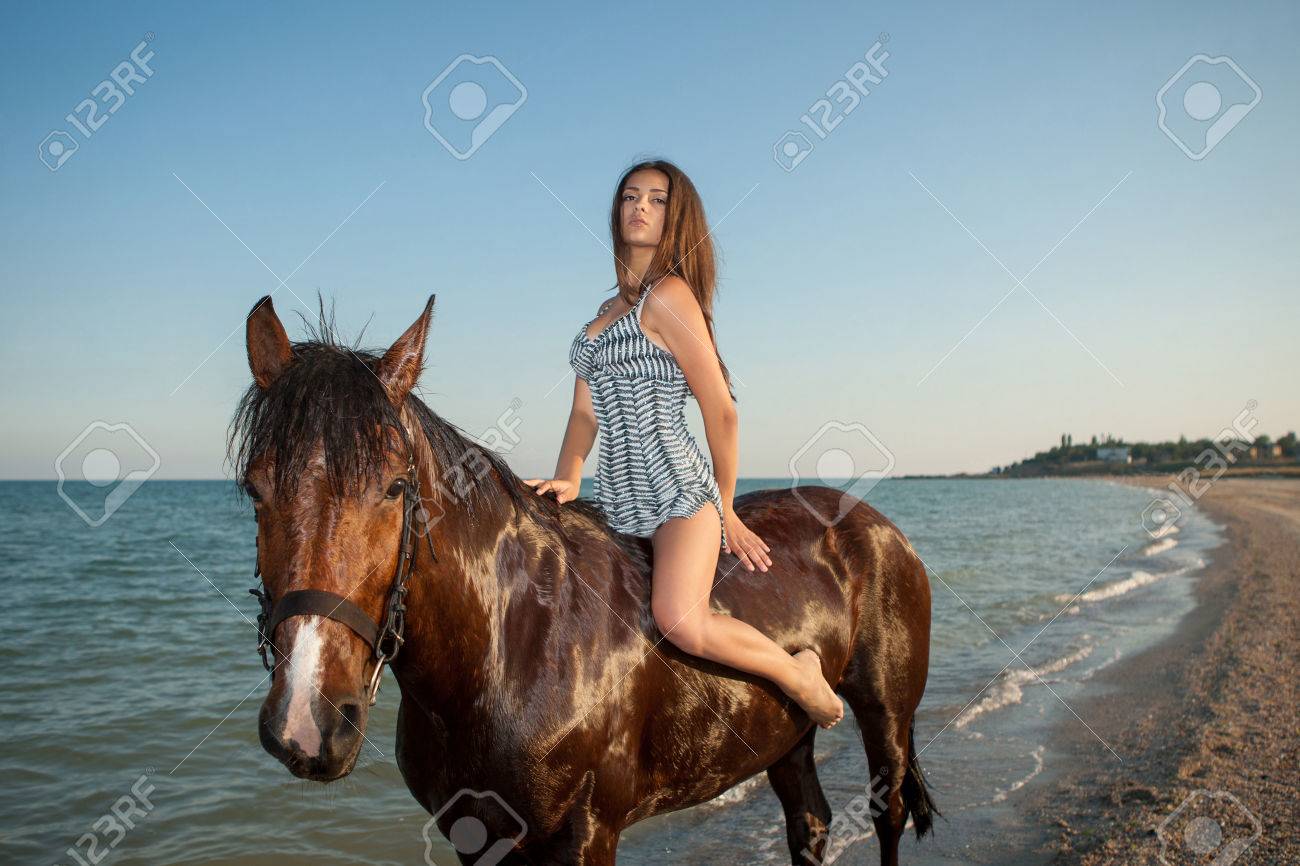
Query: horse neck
[{"x": 457, "y": 598}]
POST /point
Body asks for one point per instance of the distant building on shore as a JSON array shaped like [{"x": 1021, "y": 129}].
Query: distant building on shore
[{"x": 1114, "y": 455}]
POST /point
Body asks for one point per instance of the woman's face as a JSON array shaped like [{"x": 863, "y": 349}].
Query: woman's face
[{"x": 645, "y": 201}]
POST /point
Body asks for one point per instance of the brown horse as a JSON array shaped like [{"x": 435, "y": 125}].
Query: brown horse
[{"x": 542, "y": 712}]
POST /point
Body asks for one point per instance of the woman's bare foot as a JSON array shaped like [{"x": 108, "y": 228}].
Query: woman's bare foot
[{"x": 815, "y": 695}]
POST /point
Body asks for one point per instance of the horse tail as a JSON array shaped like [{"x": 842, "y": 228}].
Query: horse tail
[{"x": 916, "y": 793}]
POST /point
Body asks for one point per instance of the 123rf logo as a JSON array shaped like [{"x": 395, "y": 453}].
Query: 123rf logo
[
  {"x": 93, "y": 112},
  {"x": 469, "y": 101},
  {"x": 1204, "y": 101}
]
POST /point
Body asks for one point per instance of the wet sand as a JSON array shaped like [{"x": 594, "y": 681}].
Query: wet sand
[{"x": 1211, "y": 710}]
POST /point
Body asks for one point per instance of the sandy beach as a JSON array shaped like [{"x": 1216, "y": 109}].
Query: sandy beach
[{"x": 1205, "y": 723}]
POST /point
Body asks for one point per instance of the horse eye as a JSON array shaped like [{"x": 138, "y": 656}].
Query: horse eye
[
  {"x": 252, "y": 491},
  {"x": 396, "y": 489}
]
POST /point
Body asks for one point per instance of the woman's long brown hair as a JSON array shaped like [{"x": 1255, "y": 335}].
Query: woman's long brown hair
[{"x": 685, "y": 248}]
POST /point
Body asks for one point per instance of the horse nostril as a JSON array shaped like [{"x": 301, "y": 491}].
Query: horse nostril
[
  {"x": 343, "y": 729},
  {"x": 352, "y": 713}
]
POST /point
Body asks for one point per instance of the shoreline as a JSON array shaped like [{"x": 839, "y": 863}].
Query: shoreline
[
  {"x": 1141, "y": 478},
  {"x": 1212, "y": 708}
]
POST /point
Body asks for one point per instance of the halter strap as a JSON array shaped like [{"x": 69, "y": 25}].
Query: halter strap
[
  {"x": 321, "y": 603},
  {"x": 386, "y": 639}
]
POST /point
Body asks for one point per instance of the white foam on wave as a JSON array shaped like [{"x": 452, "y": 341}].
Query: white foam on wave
[
  {"x": 1156, "y": 548},
  {"x": 1166, "y": 530},
  {"x": 1037, "y": 755},
  {"x": 1138, "y": 578},
  {"x": 740, "y": 792},
  {"x": 1088, "y": 674},
  {"x": 1119, "y": 587},
  {"x": 1008, "y": 688},
  {"x": 845, "y": 832},
  {"x": 736, "y": 794}
]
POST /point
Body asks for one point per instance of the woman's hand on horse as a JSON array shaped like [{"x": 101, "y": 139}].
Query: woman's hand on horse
[
  {"x": 748, "y": 547},
  {"x": 565, "y": 489}
]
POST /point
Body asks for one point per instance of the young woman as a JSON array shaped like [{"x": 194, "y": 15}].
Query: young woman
[{"x": 647, "y": 348}]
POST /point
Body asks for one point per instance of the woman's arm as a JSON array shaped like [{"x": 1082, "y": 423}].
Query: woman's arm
[
  {"x": 578, "y": 438},
  {"x": 579, "y": 435}
]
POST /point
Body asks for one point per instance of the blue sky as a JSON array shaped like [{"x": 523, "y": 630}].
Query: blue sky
[{"x": 860, "y": 288}]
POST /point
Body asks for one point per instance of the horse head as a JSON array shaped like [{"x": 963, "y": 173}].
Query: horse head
[{"x": 326, "y": 455}]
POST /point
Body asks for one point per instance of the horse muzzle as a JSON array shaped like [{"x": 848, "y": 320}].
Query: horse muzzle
[{"x": 314, "y": 717}]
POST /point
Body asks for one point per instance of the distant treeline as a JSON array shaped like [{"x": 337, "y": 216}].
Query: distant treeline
[{"x": 1109, "y": 455}]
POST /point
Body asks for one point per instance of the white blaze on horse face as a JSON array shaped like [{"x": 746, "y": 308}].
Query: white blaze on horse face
[{"x": 305, "y": 674}]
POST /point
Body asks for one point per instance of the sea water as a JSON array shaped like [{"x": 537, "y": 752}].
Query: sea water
[{"x": 132, "y": 686}]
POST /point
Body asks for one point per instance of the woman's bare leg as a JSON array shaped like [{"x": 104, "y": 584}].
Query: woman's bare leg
[{"x": 686, "y": 558}]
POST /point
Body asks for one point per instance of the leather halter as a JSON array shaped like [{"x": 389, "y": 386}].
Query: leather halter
[{"x": 384, "y": 641}]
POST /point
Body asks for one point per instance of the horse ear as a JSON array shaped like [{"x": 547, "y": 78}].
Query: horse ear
[
  {"x": 269, "y": 351},
  {"x": 400, "y": 367}
]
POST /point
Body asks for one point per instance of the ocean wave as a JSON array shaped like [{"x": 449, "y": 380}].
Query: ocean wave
[
  {"x": 1009, "y": 686},
  {"x": 772, "y": 847},
  {"x": 1156, "y": 548},
  {"x": 1088, "y": 674},
  {"x": 1137, "y": 579},
  {"x": 1037, "y": 755},
  {"x": 737, "y": 793},
  {"x": 1166, "y": 530},
  {"x": 1118, "y": 587}
]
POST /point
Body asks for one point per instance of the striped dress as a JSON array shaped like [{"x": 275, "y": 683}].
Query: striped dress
[{"x": 650, "y": 467}]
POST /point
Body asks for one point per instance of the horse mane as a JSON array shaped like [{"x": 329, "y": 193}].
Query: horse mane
[{"x": 331, "y": 394}]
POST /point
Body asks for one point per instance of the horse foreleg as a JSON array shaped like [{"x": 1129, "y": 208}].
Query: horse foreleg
[{"x": 807, "y": 814}]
